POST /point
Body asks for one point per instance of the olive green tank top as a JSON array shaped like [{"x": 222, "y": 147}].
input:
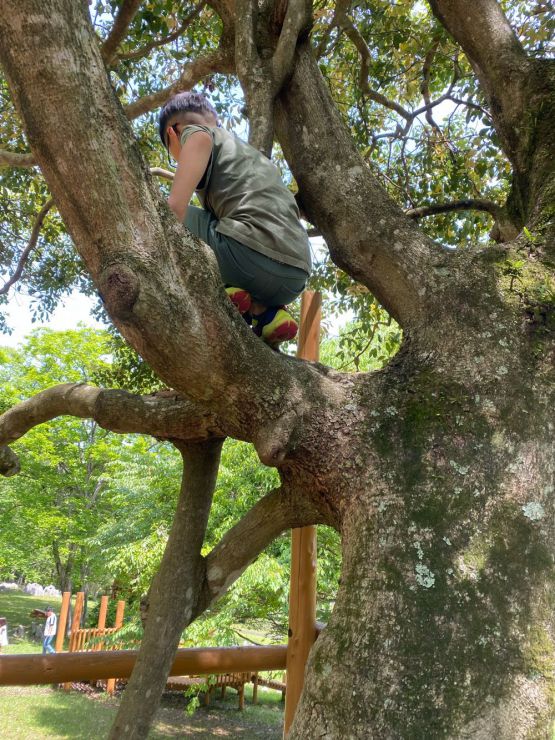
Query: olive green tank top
[{"x": 244, "y": 191}]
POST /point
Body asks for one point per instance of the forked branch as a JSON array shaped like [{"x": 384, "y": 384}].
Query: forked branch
[
  {"x": 122, "y": 22},
  {"x": 262, "y": 72},
  {"x": 31, "y": 244}
]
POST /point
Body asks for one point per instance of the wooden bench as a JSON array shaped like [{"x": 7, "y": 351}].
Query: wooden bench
[
  {"x": 269, "y": 683},
  {"x": 236, "y": 681}
]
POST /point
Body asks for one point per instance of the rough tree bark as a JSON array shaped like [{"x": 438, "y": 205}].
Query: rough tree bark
[
  {"x": 437, "y": 470},
  {"x": 174, "y": 591}
]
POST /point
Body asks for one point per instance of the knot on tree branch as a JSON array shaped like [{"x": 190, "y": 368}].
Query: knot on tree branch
[
  {"x": 119, "y": 289},
  {"x": 274, "y": 441},
  {"x": 9, "y": 462}
]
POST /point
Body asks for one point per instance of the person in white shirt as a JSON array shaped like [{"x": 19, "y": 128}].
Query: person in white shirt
[
  {"x": 49, "y": 631},
  {"x": 3, "y": 633}
]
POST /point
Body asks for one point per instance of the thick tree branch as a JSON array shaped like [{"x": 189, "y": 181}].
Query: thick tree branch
[
  {"x": 263, "y": 73},
  {"x": 278, "y": 511},
  {"x": 390, "y": 256},
  {"x": 487, "y": 38},
  {"x": 16, "y": 159},
  {"x": 122, "y": 21},
  {"x": 173, "y": 593},
  {"x": 32, "y": 243},
  {"x": 165, "y": 415},
  {"x": 255, "y": 75},
  {"x": 503, "y": 231},
  {"x": 246, "y": 52},
  {"x": 297, "y": 19}
]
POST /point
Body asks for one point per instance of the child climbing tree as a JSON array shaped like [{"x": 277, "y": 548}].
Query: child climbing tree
[{"x": 436, "y": 470}]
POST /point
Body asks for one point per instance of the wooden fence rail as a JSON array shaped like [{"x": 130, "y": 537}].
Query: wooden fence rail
[
  {"x": 89, "y": 638},
  {"x": 27, "y": 670}
]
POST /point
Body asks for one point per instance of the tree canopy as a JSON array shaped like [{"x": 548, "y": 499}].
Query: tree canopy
[
  {"x": 405, "y": 91},
  {"x": 417, "y": 138}
]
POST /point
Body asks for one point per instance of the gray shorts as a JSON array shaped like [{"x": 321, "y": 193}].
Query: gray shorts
[{"x": 269, "y": 282}]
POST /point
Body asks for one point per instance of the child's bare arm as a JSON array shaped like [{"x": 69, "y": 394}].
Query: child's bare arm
[{"x": 192, "y": 160}]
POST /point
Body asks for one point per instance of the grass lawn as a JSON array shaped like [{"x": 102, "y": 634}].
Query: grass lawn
[
  {"x": 34, "y": 713},
  {"x": 16, "y": 608}
]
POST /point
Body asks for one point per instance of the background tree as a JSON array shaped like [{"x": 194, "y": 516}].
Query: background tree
[
  {"x": 51, "y": 512},
  {"x": 437, "y": 470}
]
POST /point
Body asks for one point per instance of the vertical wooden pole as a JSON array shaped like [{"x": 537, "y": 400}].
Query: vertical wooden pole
[
  {"x": 62, "y": 621},
  {"x": 111, "y": 683},
  {"x": 302, "y": 589},
  {"x": 102, "y": 619},
  {"x": 75, "y": 622},
  {"x": 255, "y": 688},
  {"x": 120, "y": 609}
]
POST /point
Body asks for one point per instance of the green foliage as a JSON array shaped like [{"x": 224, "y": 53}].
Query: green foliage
[
  {"x": 51, "y": 511},
  {"x": 127, "y": 370}
]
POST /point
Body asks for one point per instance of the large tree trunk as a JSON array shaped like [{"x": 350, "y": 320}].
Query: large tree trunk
[
  {"x": 437, "y": 470},
  {"x": 444, "y": 623},
  {"x": 63, "y": 570}
]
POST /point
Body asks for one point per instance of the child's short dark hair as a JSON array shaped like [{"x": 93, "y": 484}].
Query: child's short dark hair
[{"x": 185, "y": 102}]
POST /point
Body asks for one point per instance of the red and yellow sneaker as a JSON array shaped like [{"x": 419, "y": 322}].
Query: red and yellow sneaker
[
  {"x": 240, "y": 298},
  {"x": 275, "y": 325}
]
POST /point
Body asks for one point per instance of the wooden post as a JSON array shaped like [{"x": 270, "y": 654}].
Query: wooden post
[
  {"x": 62, "y": 621},
  {"x": 102, "y": 612},
  {"x": 75, "y": 622},
  {"x": 102, "y": 619},
  {"x": 111, "y": 683},
  {"x": 302, "y": 589},
  {"x": 255, "y": 689}
]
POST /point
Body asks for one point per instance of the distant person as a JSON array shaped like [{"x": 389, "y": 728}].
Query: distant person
[
  {"x": 50, "y": 627},
  {"x": 3, "y": 633}
]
